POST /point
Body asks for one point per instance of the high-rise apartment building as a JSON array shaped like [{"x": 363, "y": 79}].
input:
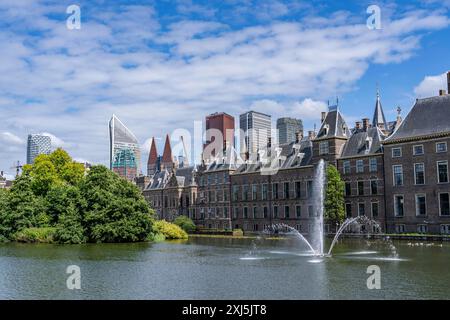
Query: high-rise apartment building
[
  {"x": 288, "y": 128},
  {"x": 37, "y": 144},
  {"x": 255, "y": 132},
  {"x": 125, "y": 153},
  {"x": 218, "y": 125}
]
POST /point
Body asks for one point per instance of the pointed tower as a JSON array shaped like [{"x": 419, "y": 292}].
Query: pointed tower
[
  {"x": 378, "y": 117},
  {"x": 152, "y": 164},
  {"x": 167, "y": 162}
]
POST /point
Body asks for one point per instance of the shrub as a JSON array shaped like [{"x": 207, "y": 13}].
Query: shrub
[
  {"x": 185, "y": 223},
  {"x": 44, "y": 235},
  {"x": 169, "y": 230}
]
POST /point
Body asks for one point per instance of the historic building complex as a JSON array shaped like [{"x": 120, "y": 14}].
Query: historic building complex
[{"x": 394, "y": 172}]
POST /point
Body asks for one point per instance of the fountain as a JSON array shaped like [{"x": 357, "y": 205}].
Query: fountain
[{"x": 316, "y": 245}]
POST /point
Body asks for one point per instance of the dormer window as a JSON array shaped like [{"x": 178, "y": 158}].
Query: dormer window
[
  {"x": 368, "y": 144},
  {"x": 326, "y": 128},
  {"x": 344, "y": 129}
]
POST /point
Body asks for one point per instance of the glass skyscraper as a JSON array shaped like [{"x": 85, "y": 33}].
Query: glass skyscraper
[
  {"x": 37, "y": 144},
  {"x": 256, "y": 128},
  {"x": 125, "y": 153},
  {"x": 287, "y": 129}
]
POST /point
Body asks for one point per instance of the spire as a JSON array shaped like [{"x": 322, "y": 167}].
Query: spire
[
  {"x": 167, "y": 155},
  {"x": 153, "y": 156},
  {"x": 378, "y": 117}
]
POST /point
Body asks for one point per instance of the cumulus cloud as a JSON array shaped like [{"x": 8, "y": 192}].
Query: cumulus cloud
[
  {"x": 9, "y": 138},
  {"x": 56, "y": 142},
  {"x": 431, "y": 85},
  {"x": 159, "y": 73}
]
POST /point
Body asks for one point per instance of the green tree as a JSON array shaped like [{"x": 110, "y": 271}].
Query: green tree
[
  {"x": 185, "y": 223},
  {"x": 116, "y": 210},
  {"x": 334, "y": 196},
  {"x": 69, "y": 229}
]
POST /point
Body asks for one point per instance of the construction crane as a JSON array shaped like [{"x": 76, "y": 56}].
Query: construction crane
[{"x": 18, "y": 167}]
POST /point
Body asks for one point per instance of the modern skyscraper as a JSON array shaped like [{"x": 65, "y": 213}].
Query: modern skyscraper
[
  {"x": 219, "y": 122},
  {"x": 125, "y": 153},
  {"x": 287, "y": 129},
  {"x": 37, "y": 144},
  {"x": 256, "y": 129}
]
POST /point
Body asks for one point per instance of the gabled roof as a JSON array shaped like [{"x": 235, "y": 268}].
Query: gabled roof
[
  {"x": 378, "y": 115},
  {"x": 357, "y": 144},
  {"x": 428, "y": 117},
  {"x": 333, "y": 126}
]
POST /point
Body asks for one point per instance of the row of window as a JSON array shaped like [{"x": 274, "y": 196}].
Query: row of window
[
  {"x": 214, "y": 178},
  {"x": 279, "y": 212},
  {"x": 422, "y": 228},
  {"x": 360, "y": 166},
  {"x": 374, "y": 209},
  {"x": 418, "y": 150},
  {"x": 421, "y": 204},
  {"x": 360, "y": 188},
  {"x": 419, "y": 173},
  {"x": 279, "y": 191}
]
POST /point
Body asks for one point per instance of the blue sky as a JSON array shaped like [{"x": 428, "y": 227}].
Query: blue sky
[{"x": 161, "y": 65}]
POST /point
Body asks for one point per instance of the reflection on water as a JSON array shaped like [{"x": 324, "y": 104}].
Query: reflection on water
[{"x": 215, "y": 268}]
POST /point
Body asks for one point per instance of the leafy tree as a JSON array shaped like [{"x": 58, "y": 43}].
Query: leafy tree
[
  {"x": 69, "y": 229},
  {"x": 185, "y": 223},
  {"x": 334, "y": 197},
  {"x": 169, "y": 230}
]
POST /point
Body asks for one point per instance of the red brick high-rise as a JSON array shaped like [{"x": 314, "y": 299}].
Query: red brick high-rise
[{"x": 224, "y": 123}]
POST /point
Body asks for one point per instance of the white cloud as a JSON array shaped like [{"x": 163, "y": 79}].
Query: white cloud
[
  {"x": 9, "y": 138},
  {"x": 56, "y": 142},
  {"x": 431, "y": 85}
]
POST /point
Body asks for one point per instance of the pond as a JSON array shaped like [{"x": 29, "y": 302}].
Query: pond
[{"x": 225, "y": 268}]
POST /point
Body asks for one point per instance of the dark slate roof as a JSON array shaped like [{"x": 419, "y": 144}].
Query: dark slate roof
[
  {"x": 378, "y": 115},
  {"x": 333, "y": 126},
  {"x": 292, "y": 155},
  {"x": 356, "y": 145},
  {"x": 429, "y": 116},
  {"x": 185, "y": 176},
  {"x": 158, "y": 180}
]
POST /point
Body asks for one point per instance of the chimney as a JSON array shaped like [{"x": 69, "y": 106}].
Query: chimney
[
  {"x": 365, "y": 123},
  {"x": 311, "y": 135},
  {"x": 448, "y": 82},
  {"x": 323, "y": 116},
  {"x": 298, "y": 136},
  {"x": 358, "y": 125},
  {"x": 442, "y": 92}
]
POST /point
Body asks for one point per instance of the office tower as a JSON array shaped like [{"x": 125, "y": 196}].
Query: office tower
[
  {"x": 256, "y": 130},
  {"x": 37, "y": 144},
  {"x": 218, "y": 123},
  {"x": 125, "y": 153},
  {"x": 287, "y": 129}
]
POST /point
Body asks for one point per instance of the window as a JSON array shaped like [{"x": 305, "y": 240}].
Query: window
[
  {"x": 298, "y": 227},
  {"x": 298, "y": 190},
  {"x": 359, "y": 166},
  {"x": 309, "y": 187},
  {"x": 346, "y": 166},
  {"x": 225, "y": 177},
  {"x": 400, "y": 228},
  {"x": 419, "y": 173},
  {"x": 286, "y": 190},
  {"x": 264, "y": 192},
  {"x": 422, "y": 228},
  {"x": 255, "y": 227},
  {"x": 255, "y": 212},
  {"x": 265, "y": 212},
  {"x": 235, "y": 193},
  {"x": 421, "y": 207},
  {"x": 286, "y": 212},
  {"x": 245, "y": 212},
  {"x": 361, "y": 209},
  {"x": 360, "y": 188},
  {"x": 348, "y": 189},
  {"x": 444, "y": 204},
  {"x": 398, "y": 205},
  {"x": 310, "y": 211},
  {"x": 374, "y": 187},
  {"x": 225, "y": 212},
  {"x": 442, "y": 167},
  {"x": 445, "y": 228},
  {"x": 348, "y": 209},
  {"x": 396, "y": 152},
  {"x": 275, "y": 212},
  {"x": 245, "y": 193},
  {"x": 254, "y": 192},
  {"x": 323, "y": 147},
  {"x": 298, "y": 211},
  {"x": 441, "y": 147},
  {"x": 373, "y": 165},
  {"x": 418, "y": 150},
  {"x": 398, "y": 175},
  {"x": 275, "y": 190},
  {"x": 374, "y": 209}
]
